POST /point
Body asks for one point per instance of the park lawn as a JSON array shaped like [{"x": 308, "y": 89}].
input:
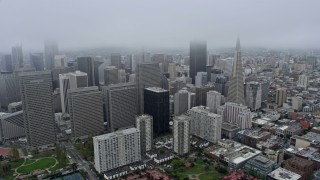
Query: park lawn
[
  {"x": 9, "y": 176},
  {"x": 40, "y": 164},
  {"x": 210, "y": 176}
]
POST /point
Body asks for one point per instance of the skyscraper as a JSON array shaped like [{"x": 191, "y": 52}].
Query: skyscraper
[
  {"x": 9, "y": 89},
  {"x": 60, "y": 61},
  {"x": 36, "y": 60},
  {"x": 281, "y": 96},
  {"x": 236, "y": 89},
  {"x": 17, "y": 57},
  {"x": 213, "y": 100},
  {"x": 220, "y": 85},
  {"x": 201, "y": 95},
  {"x": 121, "y": 105},
  {"x": 172, "y": 71},
  {"x": 116, "y": 60},
  {"x": 111, "y": 75},
  {"x": 201, "y": 79},
  {"x": 116, "y": 149},
  {"x": 156, "y": 104},
  {"x": 50, "y": 50},
  {"x": 236, "y": 114},
  {"x": 147, "y": 75},
  {"x": 144, "y": 123},
  {"x": 181, "y": 102},
  {"x": 6, "y": 63},
  {"x": 86, "y": 111},
  {"x": 198, "y": 58},
  {"x": 86, "y": 64},
  {"x": 181, "y": 134},
  {"x": 253, "y": 95},
  {"x": 37, "y": 105},
  {"x": 70, "y": 81},
  {"x": 205, "y": 124},
  {"x": 312, "y": 61}
]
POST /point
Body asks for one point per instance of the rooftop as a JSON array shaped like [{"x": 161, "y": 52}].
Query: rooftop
[
  {"x": 156, "y": 89},
  {"x": 229, "y": 126},
  {"x": 283, "y": 174},
  {"x": 116, "y": 133}
]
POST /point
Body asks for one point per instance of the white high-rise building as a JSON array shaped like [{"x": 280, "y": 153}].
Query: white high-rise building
[
  {"x": 236, "y": 114},
  {"x": 116, "y": 149},
  {"x": 214, "y": 100},
  {"x": 181, "y": 134},
  {"x": 60, "y": 61},
  {"x": 281, "y": 96},
  {"x": 297, "y": 103},
  {"x": 181, "y": 102},
  {"x": 172, "y": 71},
  {"x": 205, "y": 124},
  {"x": 253, "y": 95},
  {"x": 201, "y": 79},
  {"x": 145, "y": 124},
  {"x": 68, "y": 81},
  {"x": 303, "y": 81}
]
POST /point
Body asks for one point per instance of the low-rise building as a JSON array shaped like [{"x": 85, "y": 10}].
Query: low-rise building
[
  {"x": 229, "y": 130},
  {"x": 301, "y": 166},
  {"x": 305, "y": 140},
  {"x": 283, "y": 174},
  {"x": 252, "y": 137},
  {"x": 275, "y": 155},
  {"x": 260, "y": 166}
]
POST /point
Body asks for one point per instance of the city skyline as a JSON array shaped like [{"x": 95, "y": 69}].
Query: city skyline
[{"x": 143, "y": 24}]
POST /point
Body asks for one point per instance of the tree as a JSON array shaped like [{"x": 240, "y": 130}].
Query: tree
[
  {"x": 14, "y": 153},
  {"x": 74, "y": 166}
]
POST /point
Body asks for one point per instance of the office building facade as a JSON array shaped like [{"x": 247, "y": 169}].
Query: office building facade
[
  {"x": 253, "y": 95},
  {"x": 36, "y": 61},
  {"x": 281, "y": 96},
  {"x": 144, "y": 123},
  {"x": 86, "y": 64},
  {"x": 50, "y": 50},
  {"x": 198, "y": 58},
  {"x": 37, "y": 105},
  {"x": 181, "y": 134},
  {"x": 181, "y": 102},
  {"x": 213, "y": 101}
]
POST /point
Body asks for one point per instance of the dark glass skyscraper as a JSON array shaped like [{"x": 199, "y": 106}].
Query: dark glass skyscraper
[
  {"x": 198, "y": 58},
  {"x": 156, "y": 104},
  {"x": 86, "y": 64}
]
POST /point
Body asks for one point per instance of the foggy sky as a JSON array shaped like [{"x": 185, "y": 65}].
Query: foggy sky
[{"x": 159, "y": 23}]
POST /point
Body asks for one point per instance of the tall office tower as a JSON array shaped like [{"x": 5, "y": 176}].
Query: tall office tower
[
  {"x": 191, "y": 100},
  {"x": 236, "y": 89},
  {"x": 281, "y": 96},
  {"x": 212, "y": 59},
  {"x": 55, "y": 72},
  {"x": 312, "y": 60},
  {"x": 221, "y": 85},
  {"x": 98, "y": 63},
  {"x": 60, "y": 61},
  {"x": 9, "y": 89},
  {"x": 122, "y": 76},
  {"x": 205, "y": 124},
  {"x": 17, "y": 57},
  {"x": 147, "y": 75},
  {"x": 181, "y": 102},
  {"x": 6, "y": 63},
  {"x": 121, "y": 105},
  {"x": 253, "y": 95},
  {"x": 264, "y": 90},
  {"x": 86, "y": 111},
  {"x": 201, "y": 95},
  {"x": 297, "y": 103},
  {"x": 164, "y": 84},
  {"x": 11, "y": 126},
  {"x": 116, "y": 149},
  {"x": 144, "y": 123},
  {"x": 208, "y": 70},
  {"x": 213, "y": 101},
  {"x": 236, "y": 114},
  {"x": 116, "y": 60},
  {"x": 172, "y": 71},
  {"x": 181, "y": 134},
  {"x": 286, "y": 69},
  {"x": 36, "y": 61},
  {"x": 303, "y": 81},
  {"x": 37, "y": 105},
  {"x": 86, "y": 64},
  {"x": 156, "y": 104},
  {"x": 111, "y": 75},
  {"x": 201, "y": 79},
  {"x": 68, "y": 81},
  {"x": 128, "y": 62},
  {"x": 198, "y": 58},
  {"x": 50, "y": 50}
]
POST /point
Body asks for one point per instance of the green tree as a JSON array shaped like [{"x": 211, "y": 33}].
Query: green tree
[{"x": 74, "y": 166}]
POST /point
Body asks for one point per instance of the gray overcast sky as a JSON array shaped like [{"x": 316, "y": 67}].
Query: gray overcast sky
[{"x": 161, "y": 23}]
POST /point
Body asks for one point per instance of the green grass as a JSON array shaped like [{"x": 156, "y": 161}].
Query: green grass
[
  {"x": 40, "y": 164},
  {"x": 210, "y": 176},
  {"x": 9, "y": 176},
  {"x": 29, "y": 161}
]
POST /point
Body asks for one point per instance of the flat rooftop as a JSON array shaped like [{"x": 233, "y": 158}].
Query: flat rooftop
[
  {"x": 156, "y": 89},
  {"x": 283, "y": 174}
]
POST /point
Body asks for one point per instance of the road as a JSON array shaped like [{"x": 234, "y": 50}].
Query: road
[{"x": 76, "y": 158}]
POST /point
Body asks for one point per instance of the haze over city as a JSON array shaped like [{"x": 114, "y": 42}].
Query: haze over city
[{"x": 79, "y": 24}]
